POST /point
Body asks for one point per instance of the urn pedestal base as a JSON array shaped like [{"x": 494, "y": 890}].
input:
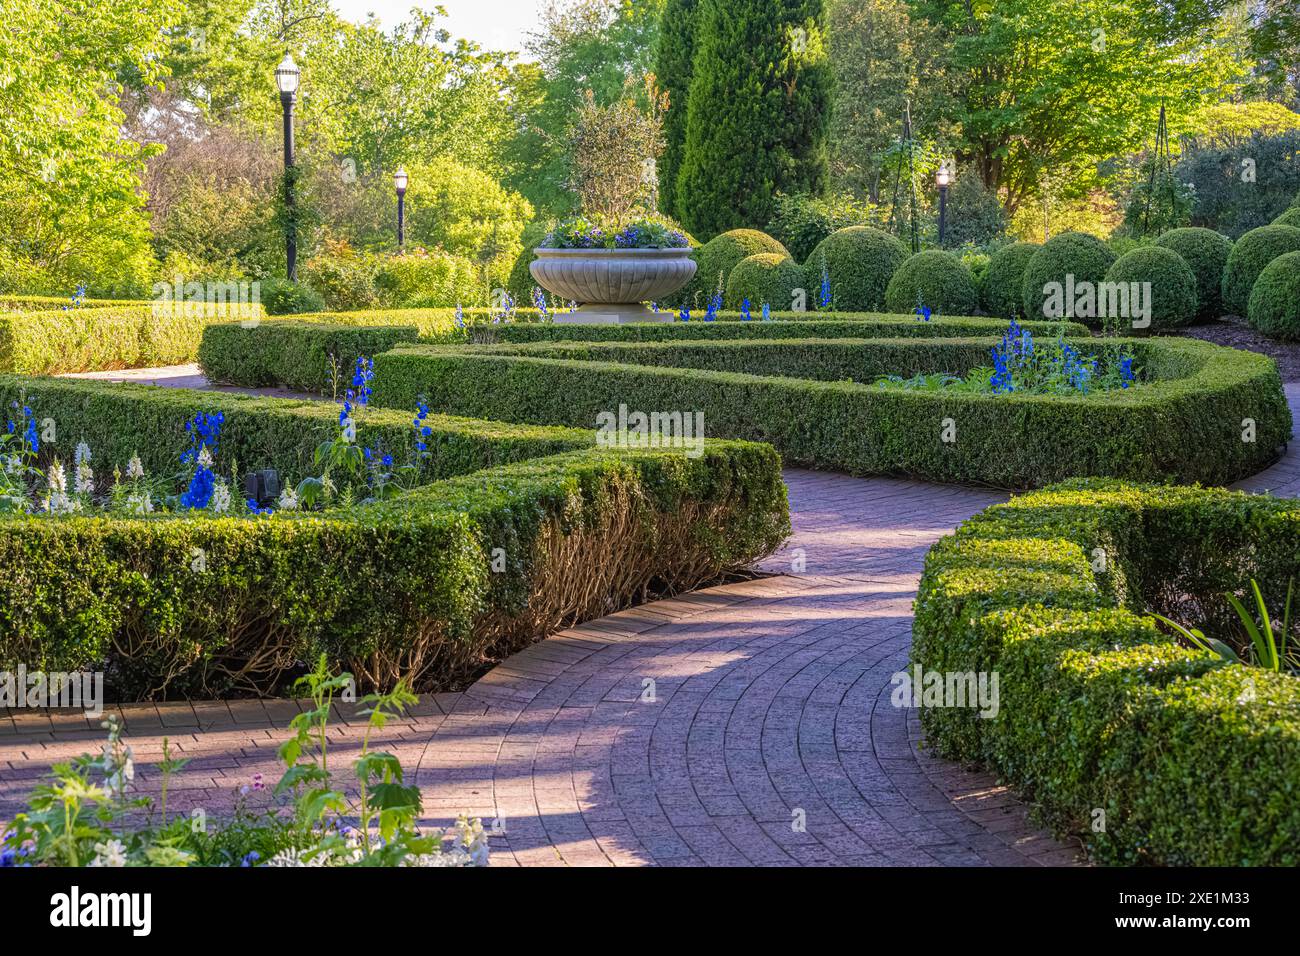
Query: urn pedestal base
[{"x": 611, "y": 314}]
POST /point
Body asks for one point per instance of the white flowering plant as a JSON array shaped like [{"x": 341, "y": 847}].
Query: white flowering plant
[{"x": 86, "y": 815}]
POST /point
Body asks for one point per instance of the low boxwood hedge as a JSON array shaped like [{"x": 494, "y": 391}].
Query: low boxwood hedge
[
  {"x": 108, "y": 337},
  {"x": 305, "y": 356},
  {"x": 1251, "y": 254},
  {"x": 1206, "y": 254},
  {"x": 427, "y": 586},
  {"x": 934, "y": 279},
  {"x": 1148, "y": 751},
  {"x": 9, "y": 302},
  {"x": 1204, "y": 413}
]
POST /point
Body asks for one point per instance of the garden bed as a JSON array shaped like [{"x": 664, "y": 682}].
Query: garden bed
[
  {"x": 518, "y": 531},
  {"x": 1149, "y": 751},
  {"x": 1200, "y": 413}
]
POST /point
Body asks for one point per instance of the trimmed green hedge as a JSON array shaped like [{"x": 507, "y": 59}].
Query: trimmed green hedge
[
  {"x": 717, "y": 257},
  {"x": 1173, "y": 286},
  {"x": 1192, "y": 762},
  {"x": 767, "y": 277},
  {"x": 1187, "y": 424},
  {"x": 109, "y": 337},
  {"x": 1076, "y": 254},
  {"x": 1253, "y": 251},
  {"x": 45, "y": 303},
  {"x": 1275, "y": 298},
  {"x": 1290, "y": 217},
  {"x": 933, "y": 278},
  {"x": 402, "y": 589},
  {"x": 1206, "y": 253},
  {"x": 306, "y": 356},
  {"x": 860, "y": 261},
  {"x": 1002, "y": 285}
]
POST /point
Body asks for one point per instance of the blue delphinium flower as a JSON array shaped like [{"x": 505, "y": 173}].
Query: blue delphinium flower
[
  {"x": 204, "y": 431},
  {"x": 744, "y": 310},
  {"x": 922, "y": 311},
  {"x": 365, "y": 371},
  {"x": 539, "y": 302},
  {"x": 1126, "y": 375},
  {"x": 199, "y": 492},
  {"x": 685, "y": 314},
  {"x": 767, "y": 312},
  {"x": 250, "y": 858},
  {"x": 824, "y": 293},
  {"x": 460, "y": 316},
  {"x": 422, "y": 431},
  {"x": 715, "y": 306}
]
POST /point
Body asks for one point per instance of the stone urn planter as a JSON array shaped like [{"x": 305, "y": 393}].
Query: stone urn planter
[{"x": 610, "y": 284}]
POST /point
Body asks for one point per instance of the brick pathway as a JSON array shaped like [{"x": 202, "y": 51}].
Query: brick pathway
[{"x": 744, "y": 724}]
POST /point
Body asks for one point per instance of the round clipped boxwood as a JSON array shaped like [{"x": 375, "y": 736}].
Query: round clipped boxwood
[
  {"x": 768, "y": 277},
  {"x": 934, "y": 279},
  {"x": 1289, "y": 218},
  {"x": 1253, "y": 251},
  {"x": 1275, "y": 299},
  {"x": 717, "y": 257},
  {"x": 1071, "y": 254},
  {"x": 1173, "y": 289},
  {"x": 860, "y": 261},
  {"x": 1206, "y": 253},
  {"x": 1002, "y": 284}
]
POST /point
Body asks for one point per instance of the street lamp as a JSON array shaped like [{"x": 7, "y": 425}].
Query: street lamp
[
  {"x": 399, "y": 181},
  {"x": 942, "y": 178},
  {"x": 286, "y": 78}
]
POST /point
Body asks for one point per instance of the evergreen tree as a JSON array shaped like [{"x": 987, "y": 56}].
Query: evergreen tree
[
  {"x": 674, "y": 57},
  {"x": 756, "y": 115}
]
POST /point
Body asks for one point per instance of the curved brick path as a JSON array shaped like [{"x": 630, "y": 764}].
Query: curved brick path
[{"x": 744, "y": 724}]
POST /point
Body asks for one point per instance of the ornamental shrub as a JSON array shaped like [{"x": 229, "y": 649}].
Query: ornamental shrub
[
  {"x": 1253, "y": 251},
  {"x": 801, "y": 222},
  {"x": 1275, "y": 299},
  {"x": 674, "y": 68},
  {"x": 1173, "y": 286},
  {"x": 935, "y": 280},
  {"x": 1289, "y": 218},
  {"x": 343, "y": 276},
  {"x": 1076, "y": 254},
  {"x": 716, "y": 258},
  {"x": 1206, "y": 253},
  {"x": 424, "y": 279},
  {"x": 1002, "y": 285},
  {"x": 756, "y": 113},
  {"x": 860, "y": 261},
  {"x": 768, "y": 277},
  {"x": 282, "y": 297}
]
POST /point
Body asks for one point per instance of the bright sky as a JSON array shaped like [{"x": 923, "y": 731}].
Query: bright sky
[{"x": 493, "y": 24}]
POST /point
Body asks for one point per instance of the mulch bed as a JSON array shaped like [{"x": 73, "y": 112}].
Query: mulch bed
[{"x": 1234, "y": 332}]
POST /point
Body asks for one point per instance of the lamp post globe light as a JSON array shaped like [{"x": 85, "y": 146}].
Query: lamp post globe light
[
  {"x": 286, "y": 79},
  {"x": 942, "y": 179},
  {"x": 399, "y": 182}
]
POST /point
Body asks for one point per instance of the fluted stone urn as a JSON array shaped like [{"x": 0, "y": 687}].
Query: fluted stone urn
[{"x": 610, "y": 285}]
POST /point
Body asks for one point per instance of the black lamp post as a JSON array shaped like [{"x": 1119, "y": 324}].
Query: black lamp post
[
  {"x": 286, "y": 78},
  {"x": 942, "y": 178},
  {"x": 399, "y": 181}
]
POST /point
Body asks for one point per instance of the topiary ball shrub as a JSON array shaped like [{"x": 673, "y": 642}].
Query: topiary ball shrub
[
  {"x": 717, "y": 257},
  {"x": 1289, "y": 218},
  {"x": 860, "y": 261},
  {"x": 282, "y": 297},
  {"x": 1253, "y": 251},
  {"x": 1173, "y": 298},
  {"x": 934, "y": 279},
  {"x": 1071, "y": 254},
  {"x": 1206, "y": 253},
  {"x": 767, "y": 277},
  {"x": 1274, "y": 306},
  {"x": 1002, "y": 285}
]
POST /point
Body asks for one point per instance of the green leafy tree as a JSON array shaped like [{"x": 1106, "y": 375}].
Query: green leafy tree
[
  {"x": 674, "y": 68},
  {"x": 756, "y": 113}
]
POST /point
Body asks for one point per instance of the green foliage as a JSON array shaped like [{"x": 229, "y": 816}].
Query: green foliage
[
  {"x": 1097, "y": 709},
  {"x": 801, "y": 222},
  {"x": 401, "y": 589},
  {"x": 756, "y": 113},
  {"x": 1275, "y": 298},
  {"x": 1249, "y": 257},
  {"x": 1202, "y": 393},
  {"x": 674, "y": 68},
  {"x": 1242, "y": 186},
  {"x": 1291, "y": 217},
  {"x": 975, "y": 215},
  {"x": 933, "y": 279},
  {"x": 107, "y": 337},
  {"x": 282, "y": 297},
  {"x": 860, "y": 261},
  {"x": 1206, "y": 252},
  {"x": 766, "y": 277},
  {"x": 304, "y": 356},
  {"x": 1002, "y": 285},
  {"x": 424, "y": 279},
  {"x": 716, "y": 258},
  {"x": 467, "y": 213},
  {"x": 1085, "y": 257},
  {"x": 1173, "y": 284},
  {"x": 520, "y": 282}
]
